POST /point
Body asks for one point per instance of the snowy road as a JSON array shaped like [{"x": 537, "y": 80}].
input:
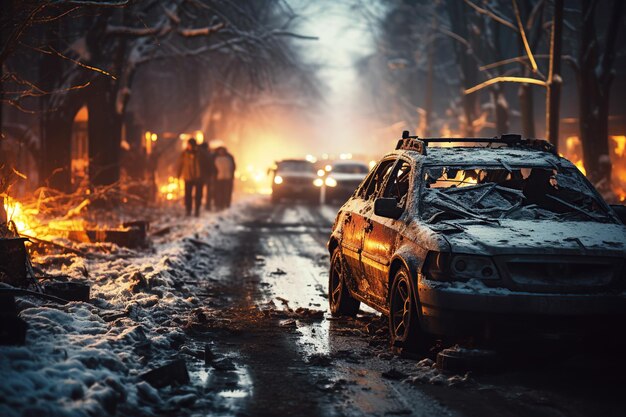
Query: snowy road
[
  {"x": 276, "y": 259},
  {"x": 240, "y": 297}
]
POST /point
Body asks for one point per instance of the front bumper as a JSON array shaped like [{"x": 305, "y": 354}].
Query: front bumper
[{"x": 462, "y": 311}]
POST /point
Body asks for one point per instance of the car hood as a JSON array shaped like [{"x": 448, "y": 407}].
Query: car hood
[{"x": 534, "y": 237}]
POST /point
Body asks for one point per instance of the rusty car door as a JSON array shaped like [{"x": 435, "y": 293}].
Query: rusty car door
[
  {"x": 354, "y": 222},
  {"x": 381, "y": 233}
]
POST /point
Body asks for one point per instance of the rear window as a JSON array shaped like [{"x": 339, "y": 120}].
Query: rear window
[
  {"x": 295, "y": 166},
  {"x": 351, "y": 169}
]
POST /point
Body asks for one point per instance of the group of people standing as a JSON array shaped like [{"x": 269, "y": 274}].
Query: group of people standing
[{"x": 200, "y": 168}]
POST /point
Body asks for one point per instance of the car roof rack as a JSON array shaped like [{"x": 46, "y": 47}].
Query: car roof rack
[{"x": 418, "y": 144}]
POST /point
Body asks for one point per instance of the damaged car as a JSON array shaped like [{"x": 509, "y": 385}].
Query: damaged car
[{"x": 490, "y": 238}]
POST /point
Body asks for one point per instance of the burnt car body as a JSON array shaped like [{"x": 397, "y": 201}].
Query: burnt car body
[
  {"x": 343, "y": 179},
  {"x": 294, "y": 179},
  {"x": 490, "y": 239}
]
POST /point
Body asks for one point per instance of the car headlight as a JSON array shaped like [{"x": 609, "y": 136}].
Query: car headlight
[
  {"x": 278, "y": 179},
  {"x": 318, "y": 182},
  {"x": 330, "y": 182},
  {"x": 443, "y": 266}
]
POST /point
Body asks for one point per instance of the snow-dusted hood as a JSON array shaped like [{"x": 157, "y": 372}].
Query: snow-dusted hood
[{"x": 535, "y": 237}]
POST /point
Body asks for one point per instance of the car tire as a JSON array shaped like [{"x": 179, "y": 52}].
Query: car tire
[
  {"x": 339, "y": 298},
  {"x": 404, "y": 328}
]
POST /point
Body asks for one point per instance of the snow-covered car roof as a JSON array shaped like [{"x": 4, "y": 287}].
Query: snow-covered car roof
[{"x": 469, "y": 155}]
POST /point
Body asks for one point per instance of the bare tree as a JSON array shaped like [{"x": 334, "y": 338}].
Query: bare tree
[
  {"x": 554, "y": 81},
  {"x": 594, "y": 74},
  {"x": 100, "y": 51}
]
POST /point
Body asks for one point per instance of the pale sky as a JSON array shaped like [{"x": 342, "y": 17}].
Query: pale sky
[{"x": 343, "y": 39}]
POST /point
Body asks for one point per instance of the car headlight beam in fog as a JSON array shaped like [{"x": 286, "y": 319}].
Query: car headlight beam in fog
[
  {"x": 330, "y": 182},
  {"x": 278, "y": 179}
]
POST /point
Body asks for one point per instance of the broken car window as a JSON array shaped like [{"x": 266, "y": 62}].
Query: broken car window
[
  {"x": 493, "y": 192},
  {"x": 398, "y": 185},
  {"x": 377, "y": 179}
]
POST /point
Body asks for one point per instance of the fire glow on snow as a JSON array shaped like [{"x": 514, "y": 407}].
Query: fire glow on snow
[{"x": 85, "y": 359}]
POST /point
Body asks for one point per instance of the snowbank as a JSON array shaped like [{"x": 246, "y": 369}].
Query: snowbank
[{"x": 85, "y": 359}]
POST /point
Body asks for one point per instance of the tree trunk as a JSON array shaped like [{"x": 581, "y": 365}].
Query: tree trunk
[
  {"x": 553, "y": 96},
  {"x": 105, "y": 133},
  {"x": 56, "y": 155},
  {"x": 428, "y": 106},
  {"x": 501, "y": 110},
  {"x": 527, "y": 108},
  {"x": 595, "y": 77},
  {"x": 57, "y": 119},
  {"x": 458, "y": 12}
]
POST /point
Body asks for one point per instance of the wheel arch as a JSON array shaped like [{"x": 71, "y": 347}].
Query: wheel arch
[
  {"x": 411, "y": 263},
  {"x": 333, "y": 243}
]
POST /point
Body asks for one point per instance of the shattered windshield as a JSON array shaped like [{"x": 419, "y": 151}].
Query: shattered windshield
[{"x": 505, "y": 192}]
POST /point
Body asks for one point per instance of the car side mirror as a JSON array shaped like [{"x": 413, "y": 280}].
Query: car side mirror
[
  {"x": 387, "y": 207},
  {"x": 620, "y": 210}
]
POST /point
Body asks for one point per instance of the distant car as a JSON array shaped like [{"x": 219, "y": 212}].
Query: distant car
[
  {"x": 293, "y": 179},
  {"x": 489, "y": 242},
  {"x": 343, "y": 179}
]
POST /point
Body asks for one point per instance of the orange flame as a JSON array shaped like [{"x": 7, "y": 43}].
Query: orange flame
[{"x": 23, "y": 218}]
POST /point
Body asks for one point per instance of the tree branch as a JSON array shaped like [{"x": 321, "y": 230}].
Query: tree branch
[{"x": 521, "y": 80}]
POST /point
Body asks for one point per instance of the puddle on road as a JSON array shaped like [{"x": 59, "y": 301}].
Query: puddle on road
[
  {"x": 231, "y": 386},
  {"x": 294, "y": 273},
  {"x": 244, "y": 385}
]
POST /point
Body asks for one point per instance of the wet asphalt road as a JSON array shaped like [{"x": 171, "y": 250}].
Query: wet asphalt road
[{"x": 273, "y": 359}]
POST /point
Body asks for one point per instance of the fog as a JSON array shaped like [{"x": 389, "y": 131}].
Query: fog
[{"x": 341, "y": 119}]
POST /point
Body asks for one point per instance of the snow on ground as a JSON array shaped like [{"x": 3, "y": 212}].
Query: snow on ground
[{"x": 85, "y": 359}]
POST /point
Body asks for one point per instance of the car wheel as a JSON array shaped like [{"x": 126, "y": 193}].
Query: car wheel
[
  {"x": 404, "y": 327},
  {"x": 339, "y": 298}
]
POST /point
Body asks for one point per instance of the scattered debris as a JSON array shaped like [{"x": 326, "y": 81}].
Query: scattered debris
[
  {"x": 13, "y": 259},
  {"x": 209, "y": 356},
  {"x": 173, "y": 373},
  {"x": 162, "y": 231},
  {"x": 12, "y": 327},
  {"x": 138, "y": 282},
  {"x": 393, "y": 374},
  {"x": 70, "y": 291},
  {"x": 308, "y": 313},
  {"x": 129, "y": 235},
  {"x": 197, "y": 242},
  {"x": 282, "y": 300},
  {"x": 320, "y": 359},
  {"x": 459, "y": 359},
  {"x": 287, "y": 323}
]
